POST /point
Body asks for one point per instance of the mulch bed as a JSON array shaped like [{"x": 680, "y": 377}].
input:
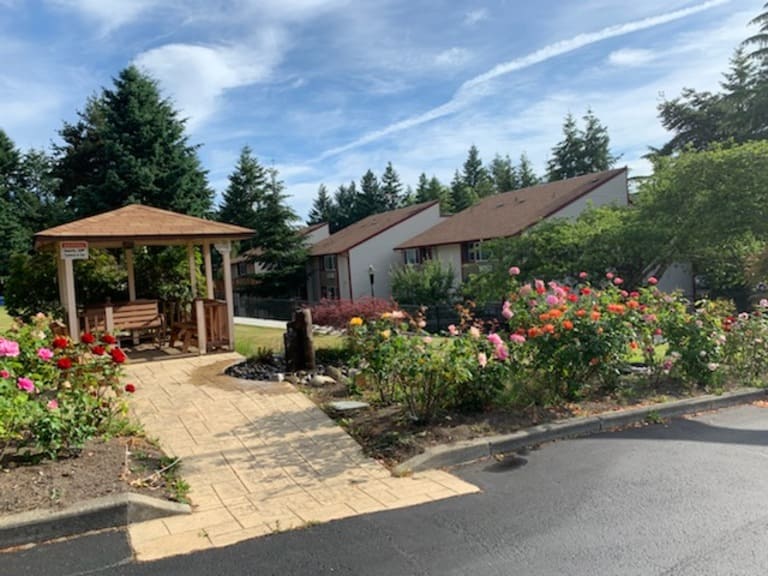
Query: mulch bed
[
  {"x": 102, "y": 468},
  {"x": 388, "y": 435}
]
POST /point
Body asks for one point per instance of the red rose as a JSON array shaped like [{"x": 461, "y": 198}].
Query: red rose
[
  {"x": 108, "y": 339},
  {"x": 130, "y": 388},
  {"x": 64, "y": 363},
  {"x": 87, "y": 338},
  {"x": 60, "y": 342},
  {"x": 98, "y": 350},
  {"x": 118, "y": 356}
]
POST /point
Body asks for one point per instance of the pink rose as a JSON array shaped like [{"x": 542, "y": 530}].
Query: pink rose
[
  {"x": 583, "y": 275},
  {"x": 25, "y": 384},
  {"x": 517, "y": 338},
  {"x": 501, "y": 352},
  {"x": 609, "y": 275},
  {"x": 452, "y": 330},
  {"x": 514, "y": 271},
  {"x": 482, "y": 359},
  {"x": 618, "y": 281},
  {"x": 52, "y": 404},
  {"x": 45, "y": 354},
  {"x": 653, "y": 281},
  {"x": 9, "y": 348},
  {"x": 494, "y": 339},
  {"x": 5, "y": 374},
  {"x": 553, "y": 300}
]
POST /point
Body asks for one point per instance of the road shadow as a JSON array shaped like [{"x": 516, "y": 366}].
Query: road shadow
[{"x": 684, "y": 429}]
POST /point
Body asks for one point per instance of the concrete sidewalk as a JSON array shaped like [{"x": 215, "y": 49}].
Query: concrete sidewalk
[
  {"x": 260, "y": 457},
  {"x": 262, "y": 322}
]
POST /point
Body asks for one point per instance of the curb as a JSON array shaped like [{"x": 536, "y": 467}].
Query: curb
[
  {"x": 477, "y": 449},
  {"x": 96, "y": 514}
]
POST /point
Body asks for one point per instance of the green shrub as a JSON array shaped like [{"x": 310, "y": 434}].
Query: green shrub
[{"x": 427, "y": 284}]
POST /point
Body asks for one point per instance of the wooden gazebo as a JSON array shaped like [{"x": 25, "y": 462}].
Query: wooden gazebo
[{"x": 138, "y": 225}]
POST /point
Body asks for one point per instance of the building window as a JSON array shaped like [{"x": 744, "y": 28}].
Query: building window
[
  {"x": 242, "y": 268},
  {"x": 425, "y": 254},
  {"x": 411, "y": 256},
  {"x": 329, "y": 262},
  {"x": 475, "y": 252}
]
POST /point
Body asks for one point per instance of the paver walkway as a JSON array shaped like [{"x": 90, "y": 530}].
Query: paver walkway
[{"x": 260, "y": 457}]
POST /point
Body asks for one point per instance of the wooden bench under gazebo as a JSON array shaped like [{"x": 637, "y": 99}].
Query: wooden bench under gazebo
[{"x": 211, "y": 322}]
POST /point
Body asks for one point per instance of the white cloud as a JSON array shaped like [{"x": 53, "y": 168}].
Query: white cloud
[
  {"x": 470, "y": 90},
  {"x": 109, "y": 14},
  {"x": 631, "y": 57},
  {"x": 474, "y": 16},
  {"x": 453, "y": 57},
  {"x": 197, "y": 76}
]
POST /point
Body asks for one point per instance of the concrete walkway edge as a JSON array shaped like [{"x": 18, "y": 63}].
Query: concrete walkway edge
[
  {"x": 95, "y": 514},
  {"x": 476, "y": 449}
]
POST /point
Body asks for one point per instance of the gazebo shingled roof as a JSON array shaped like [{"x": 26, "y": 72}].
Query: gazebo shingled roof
[{"x": 143, "y": 225}]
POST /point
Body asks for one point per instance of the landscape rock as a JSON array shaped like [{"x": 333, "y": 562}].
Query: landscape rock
[
  {"x": 347, "y": 405},
  {"x": 319, "y": 380}
]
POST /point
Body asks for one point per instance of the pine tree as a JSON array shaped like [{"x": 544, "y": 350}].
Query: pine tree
[
  {"x": 372, "y": 197},
  {"x": 567, "y": 155},
  {"x": 461, "y": 195},
  {"x": 526, "y": 175},
  {"x": 475, "y": 175},
  {"x": 282, "y": 253},
  {"x": 422, "y": 189},
  {"x": 761, "y": 38},
  {"x": 391, "y": 187},
  {"x": 245, "y": 193},
  {"x": 597, "y": 155},
  {"x": 347, "y": 202},
  {"x": 322, "y": 207},
  {"x": 129, "y": 146},
  {"x": 503, "y": 174}
]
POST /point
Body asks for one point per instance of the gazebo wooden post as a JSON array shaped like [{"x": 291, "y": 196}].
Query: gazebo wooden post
[
  {"x": 224, "y": 249},
  {"x": 67, "y": 292},
  {"x": 131, "y": 275},
  {"x": 208, "y": 269},
  {"x": 192, "y": 269}
]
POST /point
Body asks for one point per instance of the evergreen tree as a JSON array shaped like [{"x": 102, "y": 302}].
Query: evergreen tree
[
  {"x": 246, "y": 192},
  {"x": 322, "y": 207},
  {"x": 372, "y": 197},
  {"x": 461, "y": 195},
  {"x": 568, "y": 154},
  {"x": 526, "y": 175},
  {"x": 282, "y": 253},
  {"x": 503, "y": 174},
  {"x": 597, "y": 155},
  {"x": 761, "y": 38},
  {"x": 129, "y": 146},
  {"x": 347, "y": 202},
  {"x": 580, "y": 151},
  {"x": 422, "y": 188},
  {"x": 391, "y": 187},
  {"x": 13, "y": 234},
  {"x": 475, "y": 175}
]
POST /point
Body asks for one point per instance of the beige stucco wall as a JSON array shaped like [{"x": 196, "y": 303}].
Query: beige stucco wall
[
  {"x": 450, "y": 254},
  {"x": 612, "y": 192},
  {"x": 380, "y": 252}
]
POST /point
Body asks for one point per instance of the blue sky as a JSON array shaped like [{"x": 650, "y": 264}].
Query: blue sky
[{"x": 325, "y": 89}]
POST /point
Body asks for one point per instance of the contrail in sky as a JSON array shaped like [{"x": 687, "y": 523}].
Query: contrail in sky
[{"x": 466, "y": 90}]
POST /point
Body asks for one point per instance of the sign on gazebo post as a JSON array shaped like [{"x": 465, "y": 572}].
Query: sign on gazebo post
[{"x": 67, "y": 252}]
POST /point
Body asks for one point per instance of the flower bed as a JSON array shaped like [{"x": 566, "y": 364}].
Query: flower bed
[
  {"x": 556, "y": 343},
  {"x": 55, "y": 393}
]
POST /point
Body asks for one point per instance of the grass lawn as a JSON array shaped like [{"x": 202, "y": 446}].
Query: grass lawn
[
  {"x": 250, "y": 338},
  {"x": 5, "y": 320}
]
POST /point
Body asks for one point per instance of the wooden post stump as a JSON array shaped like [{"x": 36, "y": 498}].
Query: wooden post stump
[{"x": 298, "y": 343}]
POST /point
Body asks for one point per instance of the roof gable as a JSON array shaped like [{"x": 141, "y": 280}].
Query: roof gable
[
  {"x": 510, "y": 213},
  {"x": 365, "y": 229}
]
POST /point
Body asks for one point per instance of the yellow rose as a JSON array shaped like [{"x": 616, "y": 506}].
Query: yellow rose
[
  {"x": 356, "y": 321},
  {"x": 386, "y": 333}
]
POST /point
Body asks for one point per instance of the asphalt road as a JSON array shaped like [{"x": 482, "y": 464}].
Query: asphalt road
[{"x": 686, "y": 498}]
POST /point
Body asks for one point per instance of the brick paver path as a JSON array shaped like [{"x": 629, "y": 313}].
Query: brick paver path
[{"x": 260, "y": 457}]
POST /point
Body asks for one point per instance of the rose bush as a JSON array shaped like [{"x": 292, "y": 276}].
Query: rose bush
[
  {"x": 556, "y": 342},
  {"x": 55, "y": 393}
]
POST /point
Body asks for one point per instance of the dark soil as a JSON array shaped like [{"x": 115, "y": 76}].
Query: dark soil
[{"x": 102, "y": 468}]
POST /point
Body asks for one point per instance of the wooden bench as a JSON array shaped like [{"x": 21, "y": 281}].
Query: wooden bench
[{"x": 136, "y": 317}]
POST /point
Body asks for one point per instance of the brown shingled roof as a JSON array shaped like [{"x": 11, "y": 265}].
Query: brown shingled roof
[
  {"x": 357, "y": 233},
  {"x": 143, "y": 225},
  {"x": 510, "y": 213}
]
